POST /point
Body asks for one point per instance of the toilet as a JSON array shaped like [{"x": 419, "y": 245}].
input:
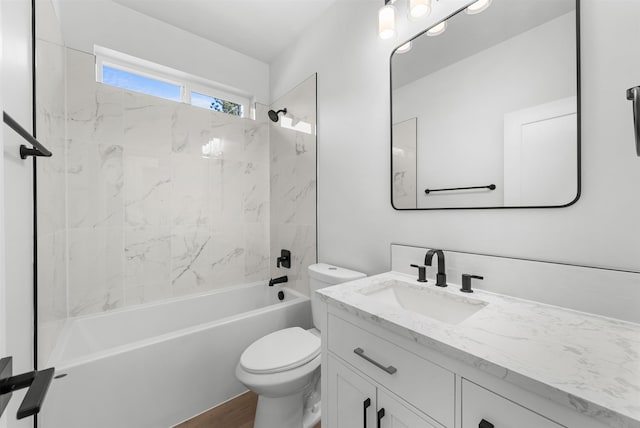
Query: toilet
[{"x": 283, "y": 367}]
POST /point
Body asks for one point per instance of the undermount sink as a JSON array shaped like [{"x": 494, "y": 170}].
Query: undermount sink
[{"x": 429, "y": 302}]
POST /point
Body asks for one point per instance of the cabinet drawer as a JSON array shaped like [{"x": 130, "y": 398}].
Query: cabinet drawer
[
  {"x": 421, "y": 383},
  {"x": 479, "y": 403}
]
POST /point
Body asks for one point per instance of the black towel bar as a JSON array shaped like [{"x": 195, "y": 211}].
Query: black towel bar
[
  {"x": 37, "y": 150},
  {"x": 490, "y": 187},
  {"x": 36, "y": 381}
]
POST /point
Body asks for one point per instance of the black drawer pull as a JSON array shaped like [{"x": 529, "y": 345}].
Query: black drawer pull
[
  {"x": 365, "y": 404},
  {"x": 485, "y": 424},
  {"x": 380, "y": 416},
  {"x": 360, "y": 352}
]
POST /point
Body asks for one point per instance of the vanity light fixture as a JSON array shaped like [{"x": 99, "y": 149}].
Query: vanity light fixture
[
  {"x": 477, "y": 7},
  {"x": 387, "y": 20},
  {"x": 419, "y": 8},
  {"x": 404, "y": 48},
  {"x": 437, "y": 29}
]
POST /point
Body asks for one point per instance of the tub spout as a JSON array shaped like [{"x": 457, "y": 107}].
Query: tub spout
[{"x": 280, "y": 280}]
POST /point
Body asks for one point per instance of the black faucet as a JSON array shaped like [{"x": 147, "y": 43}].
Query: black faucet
[
  {"x": 441, "y": 277},
  {"x": 280, "y": 280}
]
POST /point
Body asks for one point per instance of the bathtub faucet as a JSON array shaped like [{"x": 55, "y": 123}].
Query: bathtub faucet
[{"x": 274, "y": 281}]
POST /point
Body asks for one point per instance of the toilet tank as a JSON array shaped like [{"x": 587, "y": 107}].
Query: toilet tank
[{"x": 323, "y": 275}]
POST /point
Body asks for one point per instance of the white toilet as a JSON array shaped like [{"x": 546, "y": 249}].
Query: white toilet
[{"x": 284, "y": 366}]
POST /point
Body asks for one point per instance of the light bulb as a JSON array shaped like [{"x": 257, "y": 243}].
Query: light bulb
[
  {"x": 437, "y": 29},
  {"x": 419, "y": 8},
  {"x": 387, "y": 21},
  {"x": 404, "y": 48},
  {"x": 478, "y": 7}
]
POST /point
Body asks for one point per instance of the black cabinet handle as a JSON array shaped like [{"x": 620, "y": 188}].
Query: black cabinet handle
[
  {"x": 365, "y": 405},
  {"x": 380, "y": 416},
  {"x": 360, "y": 353},
  {"x": 485, "y": 424}
]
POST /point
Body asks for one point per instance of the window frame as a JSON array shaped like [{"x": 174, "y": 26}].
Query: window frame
[{"x": 188, "y": 83}]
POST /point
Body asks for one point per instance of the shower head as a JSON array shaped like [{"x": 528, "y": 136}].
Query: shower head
[{"x": 273, "y": 115}]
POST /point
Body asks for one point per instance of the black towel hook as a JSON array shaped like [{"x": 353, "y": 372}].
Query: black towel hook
[{"x": 633, "y": 95}]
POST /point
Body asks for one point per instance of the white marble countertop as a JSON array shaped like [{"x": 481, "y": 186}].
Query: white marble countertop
[{"x": 586, "y": 362}]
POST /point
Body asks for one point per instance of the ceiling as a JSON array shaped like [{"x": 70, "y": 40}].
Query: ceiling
[{"x": 258, "y": 28}]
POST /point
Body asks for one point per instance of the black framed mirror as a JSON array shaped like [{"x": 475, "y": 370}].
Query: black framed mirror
[{"x": 486, "y": 114}]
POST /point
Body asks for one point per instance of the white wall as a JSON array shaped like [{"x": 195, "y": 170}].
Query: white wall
[
  {"x": 356, "y": 221},
  {"x": 18, "y": 207},
  {"x": 108, "y": 24},
  {"x": 466, "y": 148}
]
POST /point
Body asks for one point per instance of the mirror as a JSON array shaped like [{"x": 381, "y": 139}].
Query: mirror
[{"x": 486, "y": 114}]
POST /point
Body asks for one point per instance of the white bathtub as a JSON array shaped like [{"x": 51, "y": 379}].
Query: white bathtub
[{"x": 156, "y": 365}]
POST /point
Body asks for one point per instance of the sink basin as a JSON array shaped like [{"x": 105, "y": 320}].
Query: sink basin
[{"x": 419, "y": 299}]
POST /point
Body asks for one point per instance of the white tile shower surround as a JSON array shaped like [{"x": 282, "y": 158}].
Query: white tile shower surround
[
  {"x": 145, "y": 216},
  {"x": 52, "y": 236},
  {"x": 583, "y": 361},
  {"x": 51, "y": 182},
  {"x": 293, "y": 186}
]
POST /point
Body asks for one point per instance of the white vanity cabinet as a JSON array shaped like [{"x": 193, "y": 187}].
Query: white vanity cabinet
[
  {"x": 368, "y": 369},
  {"x": 372, "y": 362},
  {"x": 355, "y": 401}
]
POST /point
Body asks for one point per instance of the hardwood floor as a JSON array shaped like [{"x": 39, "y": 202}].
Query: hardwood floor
[{"x": 236, "y": 413}]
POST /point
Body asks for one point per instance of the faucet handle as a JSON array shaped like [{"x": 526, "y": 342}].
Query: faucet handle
[
  {"x": 422, "y": 272},
  {"x": 466, "y": 282},
  {"x": 284, "y": 260}
]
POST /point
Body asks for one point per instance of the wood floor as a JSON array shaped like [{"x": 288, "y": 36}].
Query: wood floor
[{"x": 236, "y": 413}]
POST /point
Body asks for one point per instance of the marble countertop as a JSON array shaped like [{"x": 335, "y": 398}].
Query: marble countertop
[{"x": 586, "y": 362}]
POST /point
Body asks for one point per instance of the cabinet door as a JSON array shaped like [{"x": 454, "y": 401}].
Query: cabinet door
[
  {"x": 352, "y": 399},
  {"x": 395, "y": 414}
]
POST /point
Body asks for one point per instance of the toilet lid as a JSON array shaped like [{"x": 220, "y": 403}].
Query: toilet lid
[{"x": 281, "y": 350}]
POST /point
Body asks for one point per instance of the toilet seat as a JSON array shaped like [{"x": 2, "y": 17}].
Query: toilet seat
[{"x": 280, "y": 351}]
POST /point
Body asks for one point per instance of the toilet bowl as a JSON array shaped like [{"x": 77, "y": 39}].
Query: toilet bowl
[{"x": 283, "y": 367}]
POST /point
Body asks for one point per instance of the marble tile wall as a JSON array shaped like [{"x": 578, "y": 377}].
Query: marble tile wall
[
  {"x": 145, "y": 215},
  {"x": 293, "y": 183},
  {"x": 52, "y": 237}
]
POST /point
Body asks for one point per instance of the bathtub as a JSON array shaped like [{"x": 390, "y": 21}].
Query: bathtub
[{"x": 156, "y": 365}]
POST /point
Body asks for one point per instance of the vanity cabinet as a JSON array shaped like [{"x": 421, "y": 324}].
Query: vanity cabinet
[
  {"x": 368, "y": 370},
  {"x": 419, "y": 382},
  {"x": 356, "y": 401}
]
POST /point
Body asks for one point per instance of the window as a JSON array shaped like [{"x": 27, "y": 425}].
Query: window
[
  {"x": 138, "y": 83},
  {"x": 217, "y": 104},
  {"x": 135, "y": 74}
]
